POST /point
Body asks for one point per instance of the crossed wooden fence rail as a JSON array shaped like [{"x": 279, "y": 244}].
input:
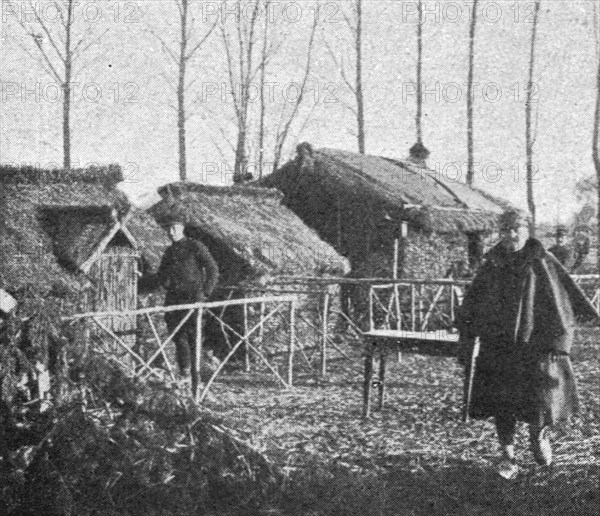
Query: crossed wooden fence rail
[
  {"x": 415, "y": 305},
  {"x": 590, "y": 284},
  {"x": 138, "y": 366},
  {"x": 400, "y": 304}
]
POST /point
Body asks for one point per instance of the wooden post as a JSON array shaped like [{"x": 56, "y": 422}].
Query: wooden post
[
  {"x": 261, "y": 329},
  {"x": 395, "y": 276},
  {"x": 381, "y": 383},
  {"x": 290, "y": 375},
  {"x": 368, "y": 379},
  {"x": 371, "y": 321},
  {"x": 338, "y": 223},
  {"x": 452, "y": 307},
  {"x": 197, "y": 365},
  {"x": 421, "y": 294},
  {"x": 413, "y": 300},
  {"x": 246, "y": 346},
  {"x": 398, "y": 309},
  {"x": 324, "y": 336},
  {"x": 396, "y": 250}
]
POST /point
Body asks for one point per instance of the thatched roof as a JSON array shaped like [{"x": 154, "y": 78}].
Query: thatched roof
[
  {"x": 252, "y": 223},
  {"x": 52, "y": 222},
  {"x": 401, "y": 188}
]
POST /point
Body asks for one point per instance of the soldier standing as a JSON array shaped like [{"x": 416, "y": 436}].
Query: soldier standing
[
  {"x": 523, "y": 306},
  {"x": 189, "y": 274}
]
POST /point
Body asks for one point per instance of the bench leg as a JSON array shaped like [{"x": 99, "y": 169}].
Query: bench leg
[
  {"x": 381, "y": 383},
  {"x": 368, "y": 382}
]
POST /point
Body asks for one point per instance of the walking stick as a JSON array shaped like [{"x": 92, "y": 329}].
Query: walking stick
[{"x": 469, "y": 376}]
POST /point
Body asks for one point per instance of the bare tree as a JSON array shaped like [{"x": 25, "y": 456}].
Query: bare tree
[
  {"x": 269, "y": 49},
  {"x": 529, "y": 136},
  {"x": 470, "y": 99},
  {"x": 59, "y": 60},
  {"x": 263, "y": 101},
  {"x": 355, "y": 85},
  {"x": 286, "y": 122},
  {"x": 190, "y": 41},
  {"x": 596, "y": 135},
  {"x": 360, "y": 104},
  {"x": 419, "y": 115},
  {"x": 239, "y": 44}
]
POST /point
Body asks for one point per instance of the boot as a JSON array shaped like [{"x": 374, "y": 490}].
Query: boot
[
  {"x": 540, "y": 446},
  {"x": 507, "y": 468}
]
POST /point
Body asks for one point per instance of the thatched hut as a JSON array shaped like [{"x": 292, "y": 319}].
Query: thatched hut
[
  {"x": 67, "y": 233},
  {"x": 363, "y": 204},
  {"x": 253, "y": 237},
  {"x": 248, "y": 230}
]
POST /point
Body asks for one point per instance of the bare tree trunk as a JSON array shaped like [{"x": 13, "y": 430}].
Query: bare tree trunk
[
  {"x": 360, "y": 106},
  {"x": 596, "y": 158},
  {"x": 283, "y": 134},
  {"x": 181, "y": 92},
  {"x": 246, "y": 41},
  {"x": 240, "y": 154},
  {"x": 67, "y": 90},
  {"x": 529, "y": 137},
  {"x": 419, "y": 116},
  {"x": 189, "y": 43},
  {"x": 263, "y": 105},
  {"x": 470, "y": 99}
]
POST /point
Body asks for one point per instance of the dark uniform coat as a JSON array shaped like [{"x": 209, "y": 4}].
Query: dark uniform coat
[
  {"x": 188, "y": 272},
  {"x": 523, "y": 305}
]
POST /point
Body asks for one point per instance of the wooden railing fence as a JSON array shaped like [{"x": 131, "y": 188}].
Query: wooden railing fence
[{"x": 266, "y": 306}]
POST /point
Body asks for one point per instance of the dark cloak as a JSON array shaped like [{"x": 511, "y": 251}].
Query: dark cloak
[{"x": 524, "y": 306}]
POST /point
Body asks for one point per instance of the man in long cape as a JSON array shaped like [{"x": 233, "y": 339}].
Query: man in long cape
[{"x": 523, "y": 306}]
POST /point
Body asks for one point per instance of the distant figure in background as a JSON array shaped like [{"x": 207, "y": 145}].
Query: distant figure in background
[
  {"x": 581, "y": 244},
  {"x": 189, "y": 274},
  {"x": 570, "y": 257},
  {"x": 562, "y": 252},
  {"x": 523, "y": 307}
]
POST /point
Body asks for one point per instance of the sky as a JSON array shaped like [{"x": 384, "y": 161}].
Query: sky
[{"x": 123, "y": 98}]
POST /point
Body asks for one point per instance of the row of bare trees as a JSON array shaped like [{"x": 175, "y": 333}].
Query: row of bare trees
[
  {"x": 250, "y": 44},
  {"x": 529, "y": 130}
]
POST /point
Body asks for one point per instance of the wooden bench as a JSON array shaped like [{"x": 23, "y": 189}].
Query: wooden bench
[{"x": 383, "y": 342}]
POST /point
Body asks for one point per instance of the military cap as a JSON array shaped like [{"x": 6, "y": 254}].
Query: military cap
[
  {"x": 175, "y": 217},
  {"x": 561, "y": 230},
  {"x": 511, "y": 219}
]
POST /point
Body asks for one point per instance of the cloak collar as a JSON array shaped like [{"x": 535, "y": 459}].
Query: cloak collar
[{"x": 532, "y": 250}]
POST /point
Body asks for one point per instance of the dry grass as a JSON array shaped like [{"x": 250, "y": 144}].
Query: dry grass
[
  {"x": 117, "y": 447},
  {"x": 415, "y": 457}
]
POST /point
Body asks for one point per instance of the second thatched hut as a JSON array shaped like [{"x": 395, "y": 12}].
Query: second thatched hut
[{"x": 253, "y": 237}]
